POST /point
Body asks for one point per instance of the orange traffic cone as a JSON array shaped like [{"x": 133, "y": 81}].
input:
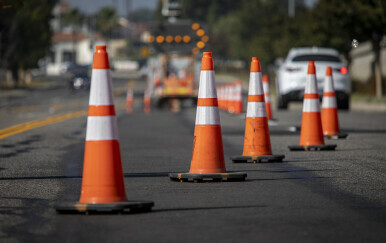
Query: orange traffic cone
[
  {"x": 238, "y": 105},
  {"x": 330, "y": 121},
  {"x": 208, "y": 155},
  {"x": 311, "y": 134},
  {"x": 103, "y": 189},
  {"x": 129, "y": 100},
  {"x": 218, "y": 88},
  {"x": 227, "y": 103},
  {"x": 146, "y": 101},
  {"x": 257, "y": 144},
  {"x": 267, "y": 97}
]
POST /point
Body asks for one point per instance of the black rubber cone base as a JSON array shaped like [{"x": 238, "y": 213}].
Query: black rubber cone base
[
  {"x": 337, "y": 136},
  {"x": 258, "y": 159},
  {"x": 312, "y": 147},
  {"x": 104, "y": 208},
  {"x": 201, "y": 177}
]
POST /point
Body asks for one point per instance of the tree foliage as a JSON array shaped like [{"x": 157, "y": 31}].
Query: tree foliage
[
  {"x": 260, "y": 27},
  {"x": 106, "y": 20},
  {"x": 25, "y": 34}
]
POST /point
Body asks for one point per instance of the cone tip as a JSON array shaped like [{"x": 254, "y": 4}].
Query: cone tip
[
  {"x": 265, "y": 78},
  {"x": 255, "y": 64},
  {"x": 329, "y": 71},
  {"x": 100, "y": 48},
  {"x": 101, "y": 59},
  {"x": 255, "y": 59},
  {"x": 207, "y": 54},
  {"x": 207, "y": 62},
  {"x": 311, "y": 67}
]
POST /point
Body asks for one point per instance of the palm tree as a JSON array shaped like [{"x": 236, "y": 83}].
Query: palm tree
[
  {"x": 75, "y": 19},
  {"x": 106, "y": 20}
]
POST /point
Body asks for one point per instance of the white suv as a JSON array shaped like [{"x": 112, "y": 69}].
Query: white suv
[{"x": 291, "y": 76}]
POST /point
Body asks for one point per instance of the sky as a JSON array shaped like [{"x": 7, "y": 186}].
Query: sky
[{"x": 92, "y": 6}]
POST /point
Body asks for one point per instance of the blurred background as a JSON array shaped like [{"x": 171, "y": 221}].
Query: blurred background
[{"x": 47, "y": 40}]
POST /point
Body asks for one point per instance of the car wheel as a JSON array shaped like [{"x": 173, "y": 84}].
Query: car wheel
[
  {"x": 282, "y": 103},
  {"x": 343, "y": 102}
]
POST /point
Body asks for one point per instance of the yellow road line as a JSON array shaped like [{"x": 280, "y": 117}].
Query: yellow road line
[{"x": 39, "y": 123}]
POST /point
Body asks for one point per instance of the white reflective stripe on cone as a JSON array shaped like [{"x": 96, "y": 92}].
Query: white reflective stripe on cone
[
  {"x": 266, "y": 87},
  {"x": 255, "y": 84},
  {"x": 207, "y": 88},
  {"x": 328, "y": 85},
  {"x": 256, "y": 109},
  {"x": 207, "y": 115},
  {"x": 227, "y": 93},
  {"x": 233, "y": 93},
  {"x": 129, "y": 93},
  {"x": 267, "y": 99},
  {"x": 311, "y": 84},
  {"x": 311, "y": 105},
  {"x": 101, "y": 128},
  {"x": 101, "y": 91},
  {"x": 329, "y": 102}
]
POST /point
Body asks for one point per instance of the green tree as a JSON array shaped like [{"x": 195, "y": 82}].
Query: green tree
[
  {"x": 25, "y": 35},
  {"x": 75, "y": 19},
  {"x": 335, "y": 23},
  {"x": 106, "y": 20}
]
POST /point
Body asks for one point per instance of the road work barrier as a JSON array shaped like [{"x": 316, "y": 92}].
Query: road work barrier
[
  {"x": 311, "y": 133},
  {"x": 231, "y": 97},
  {"x": 103, "y": 188},
  {"x": 330, "y": 122},
  {"x": 208, "y": 155},
  {"x": 257, "y": 144}
]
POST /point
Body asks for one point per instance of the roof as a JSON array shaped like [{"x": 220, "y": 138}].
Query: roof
[
  {"x": 69, "y": 37},
  {"x": 312, "y": 50}
]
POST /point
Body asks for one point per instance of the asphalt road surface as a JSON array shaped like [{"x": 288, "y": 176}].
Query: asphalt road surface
[{"x": 332, "y": 196}]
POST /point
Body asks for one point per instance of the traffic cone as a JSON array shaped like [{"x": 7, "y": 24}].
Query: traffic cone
[
  {"x": 238, "y": 103},
  {"x": 311, "y": 134},
  {"x": 257, "y": 144},
  {"x": 208, "y": 155},
  {"x": 218, "y": 88},
  {"x": 129, "y": 100},
  {"x": 222, "y": 98},
  {"x": 228, "y": 101},
  {"x": 146, "y": 101},
  {"x": 103, "y": 188},
  {"x": 330, "y": 121},
  {"x": 267, "y": 97}
]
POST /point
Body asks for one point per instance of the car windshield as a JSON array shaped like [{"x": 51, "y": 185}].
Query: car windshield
[{"x": 313, "y": 57}]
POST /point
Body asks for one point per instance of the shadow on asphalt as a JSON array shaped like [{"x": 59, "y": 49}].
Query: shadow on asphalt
[
  {"x": 18, "y": 151},
  {"x": 129, "y": 175},
  {"x": 206, "y": 208},
  {"x": 39, "y": 178},
  {"x": 28, "y": 141},
  {"x": 290, "y": 178},
  {"x": 362, "y": 131},
  {"x": 155, "y": 174}
]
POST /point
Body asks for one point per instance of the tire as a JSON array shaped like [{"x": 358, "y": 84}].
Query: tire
[
  {"x": 282, "y": 103},
  {"x": 343, "y": 101}
]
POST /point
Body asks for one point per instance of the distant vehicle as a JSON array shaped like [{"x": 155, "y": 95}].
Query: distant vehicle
[
  {"x": 174, "y": 78},
  {"x": 79, "y": 81},
  {"x": 291, "y": 76}
]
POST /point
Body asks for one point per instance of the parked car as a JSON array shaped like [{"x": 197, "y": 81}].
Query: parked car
[
  {"x": 80, "y": 80},
  {"x": 291, "y": 76}
]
